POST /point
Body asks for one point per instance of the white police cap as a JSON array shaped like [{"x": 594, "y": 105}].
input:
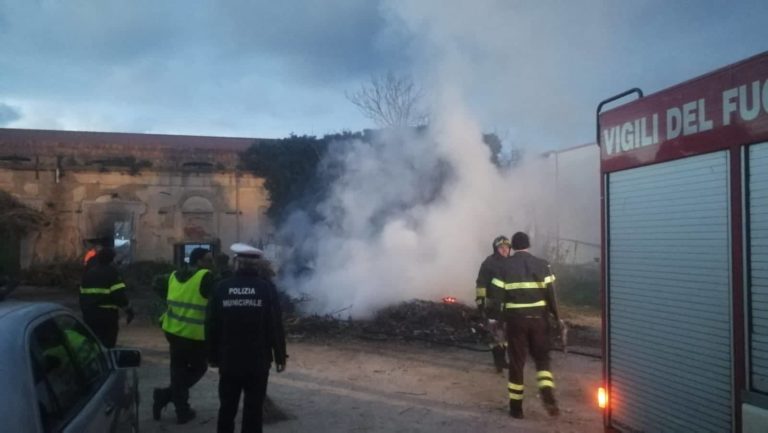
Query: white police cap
[{"x": 241, "y": 249}]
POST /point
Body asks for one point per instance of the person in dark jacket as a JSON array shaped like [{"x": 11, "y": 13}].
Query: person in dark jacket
[
  {"x": 488, "y": 299},
  {"x": 245, "y": 335},
  {"x": 102, "y": 294},
  {"x": 187, "y": 291},
  {"x": 529, "y": 296}
]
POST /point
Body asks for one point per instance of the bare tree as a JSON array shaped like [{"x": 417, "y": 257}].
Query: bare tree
[{"x": 390, "y": 100}]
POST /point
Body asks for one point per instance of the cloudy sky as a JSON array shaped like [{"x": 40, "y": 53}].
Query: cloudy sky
[{"x": 532, "y": 71}]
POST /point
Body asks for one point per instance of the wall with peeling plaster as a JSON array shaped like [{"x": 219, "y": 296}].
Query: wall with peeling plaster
[{"x": 165, "y": 190}]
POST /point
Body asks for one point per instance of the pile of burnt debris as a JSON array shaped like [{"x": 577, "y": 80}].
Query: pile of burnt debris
[
  {"x": 439, "y": 323},
  {"x": 419, "y": 320}
]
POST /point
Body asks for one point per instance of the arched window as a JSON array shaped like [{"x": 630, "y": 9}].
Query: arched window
[{"x": 197, "y": 204}]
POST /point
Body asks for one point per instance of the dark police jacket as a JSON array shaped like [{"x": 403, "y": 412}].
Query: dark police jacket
[{"x": 244, "y": 324}]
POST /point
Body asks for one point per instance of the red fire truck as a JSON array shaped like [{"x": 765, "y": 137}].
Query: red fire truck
[{"x": 684, "y": 181}]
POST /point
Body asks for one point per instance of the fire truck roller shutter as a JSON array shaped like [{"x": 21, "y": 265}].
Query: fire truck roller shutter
[
  {"x": 669, "y": 267},
  {"x": 754, "y": 418},
  {"x": 758, "y": 264}
]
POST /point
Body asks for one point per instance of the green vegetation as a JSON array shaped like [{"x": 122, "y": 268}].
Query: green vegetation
[{"x": 578, "y": 285}]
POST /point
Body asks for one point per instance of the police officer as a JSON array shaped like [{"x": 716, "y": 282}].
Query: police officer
[
  {"x": 245, "y": 333},
  {"x": 488, "y": 298},
  {"x": 529, "y": 295},
  {"x": 102, "y": 294},
  {"x": 183, "y": 323}
]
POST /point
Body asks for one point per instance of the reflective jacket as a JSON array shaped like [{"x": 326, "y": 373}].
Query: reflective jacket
[
  {"x": 487, "y": 296},
  {"x": 528, "y": 286},
  {"x": 102, "y": 287},
  {"x": 185, "y": 315}
]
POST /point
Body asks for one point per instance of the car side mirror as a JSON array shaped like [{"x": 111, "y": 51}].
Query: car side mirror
[{"x": 126, "y": 358}]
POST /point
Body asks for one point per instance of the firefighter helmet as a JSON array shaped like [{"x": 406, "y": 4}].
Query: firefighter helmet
[{"x": 499, "y": 241}]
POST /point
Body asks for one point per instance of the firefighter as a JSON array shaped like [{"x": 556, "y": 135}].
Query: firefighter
[
  {"x": 187, "y": 295},
  {"x": 102, "y": 294},
  {"x": 89, "y": 255},
  {"x": 529, "y": 296},
  {"x": 488, "y": 299},
  {"x": 245, "y": 333},
  {"x": 96, "y": 245}
]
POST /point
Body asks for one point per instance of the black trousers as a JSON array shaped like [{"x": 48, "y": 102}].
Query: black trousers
[
  {"x": 253, "y": 386},
  {"x": 526, "y": 334},
  {"x": 104, "y": 324},
  {"x": 189, "y": 362}
]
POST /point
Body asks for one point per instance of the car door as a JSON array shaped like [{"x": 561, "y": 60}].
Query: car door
[{"x": 73, "y": 378}]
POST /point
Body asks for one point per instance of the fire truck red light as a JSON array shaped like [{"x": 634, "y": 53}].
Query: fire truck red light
[{"x": 602, "y": 398}]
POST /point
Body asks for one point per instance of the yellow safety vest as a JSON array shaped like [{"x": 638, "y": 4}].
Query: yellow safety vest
[{"x": 185, "y": 316}]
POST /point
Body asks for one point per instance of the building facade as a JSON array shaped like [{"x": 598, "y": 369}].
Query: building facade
[{"x": 154, "y": 196}]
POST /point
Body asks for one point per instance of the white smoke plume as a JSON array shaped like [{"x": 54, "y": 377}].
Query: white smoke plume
[{"x": 414, "y": 213}]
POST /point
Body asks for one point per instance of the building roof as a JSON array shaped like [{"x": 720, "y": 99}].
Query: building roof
[{"x": 27, "y": 140}]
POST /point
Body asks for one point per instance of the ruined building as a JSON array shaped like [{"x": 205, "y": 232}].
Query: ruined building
[{"x": 155, "y": 197}]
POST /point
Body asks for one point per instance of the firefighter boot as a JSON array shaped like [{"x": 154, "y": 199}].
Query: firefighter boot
[
  {"x": 549, "y": 402},
  {"x": 499, "y": 358},
  {"x": 160, "y": 398},
  {"x": 516, "y": 409}
]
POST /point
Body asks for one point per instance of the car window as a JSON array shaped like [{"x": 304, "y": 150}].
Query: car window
[
  {"x": 57, "y": 381},
  {"x": 88, "y": 356}
]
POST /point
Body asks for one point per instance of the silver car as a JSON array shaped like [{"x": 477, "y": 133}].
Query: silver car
[{"x": 57, "y": 378}]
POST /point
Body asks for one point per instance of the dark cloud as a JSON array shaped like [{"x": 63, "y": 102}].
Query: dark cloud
[
  {"x": 252, "y": 66},
  {"x": 8, "y": 114}
]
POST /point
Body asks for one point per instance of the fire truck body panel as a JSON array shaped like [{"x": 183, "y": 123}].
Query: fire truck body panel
[{"x": 685, "y": 255}]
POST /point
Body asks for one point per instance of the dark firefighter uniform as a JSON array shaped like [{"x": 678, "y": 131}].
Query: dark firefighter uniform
[
  {"x": 489, "y": 297},
  {"x": 529, "y": 295},
  {"x": 102, "y": 294},
  {"x": 184, "y": 327},
  {"x": 245, "y": 334}
]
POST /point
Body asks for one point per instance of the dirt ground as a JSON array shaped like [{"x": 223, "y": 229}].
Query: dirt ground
[
  {"x": 351, "y": 385},
  {"x": 359, "y": 386}
]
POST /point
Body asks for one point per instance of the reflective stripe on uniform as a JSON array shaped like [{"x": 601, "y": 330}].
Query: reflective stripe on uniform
[
  {"x": 498, "y": 283},
  {"x": 108, "y": 306},
  {"x": 549, "y": 279},
  {"x": 525, "y": 285},
  {"x": 515, "y": 391},
  {"x": 94, "y": 291},
  {"x": 545, "y": 379},
  {"x": 175, "y": 316},
  {"x": 185, "y": 305},
  {"x": 100, "y": 290},
  {"x": 480, "y": 292},
  {"x": 510, "y": 305}
]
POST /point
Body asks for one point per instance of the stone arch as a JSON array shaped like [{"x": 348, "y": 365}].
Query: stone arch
[
  {"x": 197, "y": 204},
  {"x": 198, "y": 219}
]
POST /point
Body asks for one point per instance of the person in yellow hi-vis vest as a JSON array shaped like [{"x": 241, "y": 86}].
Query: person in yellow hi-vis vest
[{"x": 188, "y": 290}]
